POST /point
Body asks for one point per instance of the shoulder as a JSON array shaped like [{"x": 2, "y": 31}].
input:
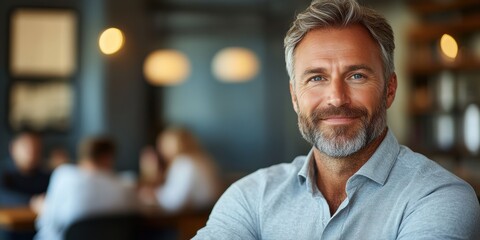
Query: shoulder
[
  {"x": 9, "y": 170},
  {"x": 424, "y": 171},
  {"x": 236, "y": 214},
  {"x": 182, "y": 164},
  {"x": 430, "y": 186},
  {"x": 271, "y": 178},
  {"x": 65, "y": 169},
  {"x": 64, "y": 172}
]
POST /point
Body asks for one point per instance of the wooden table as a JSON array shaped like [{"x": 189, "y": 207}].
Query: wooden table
[
  {"x": 22, "y": 219},
  {"x": 17, "y": 219}
]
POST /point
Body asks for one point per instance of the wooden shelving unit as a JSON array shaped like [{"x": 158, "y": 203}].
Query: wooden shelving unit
[
  {"x": 426, "y": 7},
  {"x": 442, "y": 89}
]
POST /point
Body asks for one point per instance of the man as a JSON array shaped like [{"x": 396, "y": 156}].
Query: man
[
  {"x": 357, "y": 182},
  {"x": 24, "y": 180},
  {"x": 91, "y": 189}
]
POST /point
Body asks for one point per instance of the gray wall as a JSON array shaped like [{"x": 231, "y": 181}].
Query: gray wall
[
  {"x": 245, "y": 126},
  {"x": 127, "y": 93}
]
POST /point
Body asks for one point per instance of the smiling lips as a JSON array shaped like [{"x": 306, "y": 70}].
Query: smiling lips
[
  {"x": 338, "y": 120},
  {"x": 339, "y": 115}
]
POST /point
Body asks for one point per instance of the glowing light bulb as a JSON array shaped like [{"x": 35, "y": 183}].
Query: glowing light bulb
[
  {"x": 449, "y": 46},
  {"x": 235, "y": 64},
  {"x": 111, "y": 40},
  {"x": 166, "y": 67}
]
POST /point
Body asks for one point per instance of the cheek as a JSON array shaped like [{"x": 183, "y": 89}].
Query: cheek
[
  {"x": 22, "y": 152},
  {"x": 308, "y": 100},
  {"x": 371, "y": 100}
]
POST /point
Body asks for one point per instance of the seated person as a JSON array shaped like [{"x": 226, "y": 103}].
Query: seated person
[
  {"x": 24, "y": 179},
  {"x": 87, "y": 190},
  {"x": 187, "y": 177},
  {"x": 357, "y": 181}
]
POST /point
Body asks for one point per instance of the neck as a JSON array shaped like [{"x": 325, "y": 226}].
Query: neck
[{"x": 333, "y": 173}]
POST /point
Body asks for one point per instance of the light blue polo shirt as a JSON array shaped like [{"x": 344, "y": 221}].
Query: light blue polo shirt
[{"x": 397, "y": 194}]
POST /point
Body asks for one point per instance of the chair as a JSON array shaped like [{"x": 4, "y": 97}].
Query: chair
[{"x": 111, "y": 227}]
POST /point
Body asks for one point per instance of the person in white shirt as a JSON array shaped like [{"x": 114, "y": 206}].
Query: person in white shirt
[
  {"x": 87, "y": 190},
  {"x": 188, "y": 177}
]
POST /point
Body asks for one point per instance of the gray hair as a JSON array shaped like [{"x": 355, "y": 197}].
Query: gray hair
[{"x": 340, "y": 13}]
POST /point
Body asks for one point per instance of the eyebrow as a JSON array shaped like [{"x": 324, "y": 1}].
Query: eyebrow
[
  {"x": 349, "y": 69},
  {"x": 313, "y": 71},
  {"x": 360, "y": 67}
]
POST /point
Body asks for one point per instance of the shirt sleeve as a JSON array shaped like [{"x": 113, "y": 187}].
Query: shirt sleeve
[
  {"x": 233, "y": 217},
  {"x": 175, "y": 192},
  {"x": 451, "y": 211},
  {"x": 48, "y": 223}
]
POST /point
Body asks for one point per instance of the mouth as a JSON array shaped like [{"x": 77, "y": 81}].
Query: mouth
[
  {"x": 339, "y": 120},
  {"x": 339, "y": 116}
]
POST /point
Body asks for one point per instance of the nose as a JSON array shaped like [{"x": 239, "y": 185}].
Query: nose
[{"x": 338, "y": 94}]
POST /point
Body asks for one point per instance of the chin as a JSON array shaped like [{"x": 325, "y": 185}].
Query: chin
[{"x": 344, "y": 132}]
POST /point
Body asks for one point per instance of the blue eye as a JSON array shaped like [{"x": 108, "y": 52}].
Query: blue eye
[
  {"x": 316, "y": 79},
  {"x": 357, "y": 76}
]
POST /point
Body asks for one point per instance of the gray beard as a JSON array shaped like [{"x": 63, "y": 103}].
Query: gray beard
[{"x": 337, "y": 142}]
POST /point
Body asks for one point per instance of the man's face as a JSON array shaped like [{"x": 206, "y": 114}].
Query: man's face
[{"x": 339, "y": 91}]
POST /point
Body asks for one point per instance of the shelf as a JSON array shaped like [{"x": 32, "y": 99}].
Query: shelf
[
  {"x": 430, "y": 6},
  {"x": 427, "y": 32},
  {"x": 431, "y": 67},
  {"x": 436, "y": 129}
]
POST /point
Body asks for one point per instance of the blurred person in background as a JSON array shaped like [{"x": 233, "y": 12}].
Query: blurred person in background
[
  {"x": 24, "y": 180},
  {"x": 87, "y": 190},
  {"x": 150, "y": 167},
  {"x": 187, "y": 179}
]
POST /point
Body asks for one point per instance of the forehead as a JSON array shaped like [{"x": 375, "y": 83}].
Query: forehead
[{"x": 344, "y": 45}]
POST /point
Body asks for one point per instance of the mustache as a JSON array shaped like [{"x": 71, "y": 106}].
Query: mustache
[{"x": 351, "y": 112}]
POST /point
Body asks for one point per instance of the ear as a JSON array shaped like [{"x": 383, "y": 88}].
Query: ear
[
  {"x": 294, "y": 96},
  {"x": 391, "y": 89}
]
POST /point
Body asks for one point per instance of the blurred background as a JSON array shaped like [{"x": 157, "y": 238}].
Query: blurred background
[{"x": 217, "y": 68}]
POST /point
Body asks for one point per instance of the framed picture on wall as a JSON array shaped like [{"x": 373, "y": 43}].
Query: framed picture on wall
[
  {"x": 41, "y": 106},
  {"x": 42, "y": 63},
  {"x": 43, "y": 42}
]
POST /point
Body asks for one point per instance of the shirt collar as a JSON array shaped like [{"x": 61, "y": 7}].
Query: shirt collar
[
  {"x": 377, "y": 168},
  {"x": 306, "y": 175}
]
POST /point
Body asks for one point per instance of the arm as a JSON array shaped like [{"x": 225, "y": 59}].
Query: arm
[
  {"x": 48, "y": 219},
  {"x": 449, "y": 212},
  {"x": 175, "y": 192},
  {"x": 233, "y": 217}
]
